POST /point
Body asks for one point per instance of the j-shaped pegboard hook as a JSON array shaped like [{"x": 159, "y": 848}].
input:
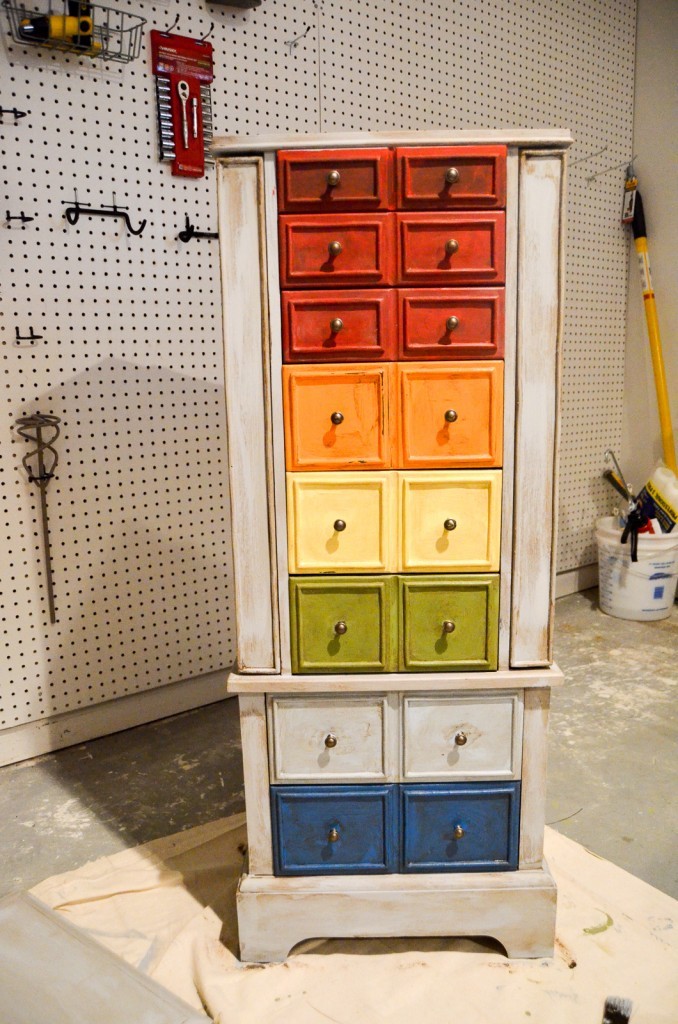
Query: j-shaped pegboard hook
[
  {"x": 209, "y": 33},
  {"x": 73, "y": 212},
  {"x": 168, "y": 31}
]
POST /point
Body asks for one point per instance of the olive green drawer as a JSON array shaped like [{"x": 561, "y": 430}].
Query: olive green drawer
[
  {"x": 344, "y": 624},
  {"x": 448, "y": 623}
]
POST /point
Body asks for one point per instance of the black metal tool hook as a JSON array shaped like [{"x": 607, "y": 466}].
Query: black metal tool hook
[
  {"x": 32, "y": 337},
  {"x": 168, "y": 31},
  {"x": 209, "y": 33},
  {"x": 21, "y": 216},
  {"x": 16, "y": 114},
  {"x": 189, "y": 232},
  {"x": 73, "y": 214}
]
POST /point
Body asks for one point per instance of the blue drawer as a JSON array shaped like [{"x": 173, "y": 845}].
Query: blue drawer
[
  {"x": 463, "y": 827},
  {"x": 334, "y": 830}
]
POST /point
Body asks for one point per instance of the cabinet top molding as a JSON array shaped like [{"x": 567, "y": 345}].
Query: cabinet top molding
[{"x": 521, "y": 137}]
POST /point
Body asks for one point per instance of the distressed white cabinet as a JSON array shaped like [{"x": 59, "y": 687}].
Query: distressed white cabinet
[{"x": 393, "y": 612}]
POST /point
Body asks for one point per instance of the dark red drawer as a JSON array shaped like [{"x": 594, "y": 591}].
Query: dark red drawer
[
  {"x": 470, "y": 177},
  {"x": 339, "y": 326},
  {"x": 451, "y": 323},
  {"x": 339, "y": 180},
  {"x": 451, "y": 248},
  {"x": 341, "y": 249}
]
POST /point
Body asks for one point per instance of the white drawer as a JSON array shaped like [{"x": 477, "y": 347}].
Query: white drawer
[
  {"x": 462, "y": 737},
  {"x": 330, "y": 739}
]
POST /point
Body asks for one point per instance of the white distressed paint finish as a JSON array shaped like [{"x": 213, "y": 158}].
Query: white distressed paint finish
[
  {"x": 246, "y": 373},
  {"x": 533, "y": 787},
  {"x": 395, "y": 682},
  {"x": 517, "y": 908},
  {"x": 454, "y": 739},
  {"x": 508, "y": 460},
  {"x": 230, "y": 144},
  {"x": 255, "y": 773},
  {"x": 277, "y": 492},
  {"x": 539, "y": 275},
  {"x": 362, "y": 735}
]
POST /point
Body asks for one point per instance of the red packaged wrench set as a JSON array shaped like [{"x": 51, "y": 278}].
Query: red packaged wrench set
[{"x": 184, "y": 70}]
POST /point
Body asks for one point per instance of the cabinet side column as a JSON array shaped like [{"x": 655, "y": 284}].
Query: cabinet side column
[
  {"x": 539, "y": 325},
  {"x": 255, "y": 772},
  {"x": 247, "y": 387},
  {"x": 533, "y": 785}
]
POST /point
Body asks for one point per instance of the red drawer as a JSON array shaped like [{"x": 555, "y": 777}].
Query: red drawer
[
  {"x": 338, "y": 326},
  {"x": 451, "y": 323},
  {"x": 471, "y": 177},
  {"x": 344, "y": 249},
  {"x": 451, "y": 248},
  {"x": 339, "y": 180}
]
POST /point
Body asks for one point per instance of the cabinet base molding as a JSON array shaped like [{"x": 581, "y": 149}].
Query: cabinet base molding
[{"x": 517, "y": 908}]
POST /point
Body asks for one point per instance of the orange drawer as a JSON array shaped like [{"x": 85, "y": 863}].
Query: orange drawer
[
  {"x": 344, "y": 249},
  {"x": 337, "y": 417},
  {"x": 339, "y": 326},
  {"x": 338, "y": 180},
  {"x": 453, "y": 323},
  {"x": 451, "y": 415},
  {"x": 451, "y": 248},
  {"x": 471, "y": 177}
]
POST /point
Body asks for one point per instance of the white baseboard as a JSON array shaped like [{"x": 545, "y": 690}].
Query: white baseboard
[
  {"x": 574, "y": 580},
  {"x": 47, "y": 734}
]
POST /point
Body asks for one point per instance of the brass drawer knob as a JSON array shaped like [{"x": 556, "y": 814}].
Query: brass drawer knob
[
  {"x": 339, "y": 525},
  {"x": 340, "y": 628},
  {"x": 451, "y": 246},
  {"x": 461, "y": 739},
  {"x": 459, "y": 832},
  {"x": 333, "y": 179},
  {"x": 330, "y": 740},
  {"x": 333, "y": 835},
  {"x": 449, "y": 626},
  {"x": 337, "y": 418},
  {"x": 450, "y": 524},
  {"x": 452, "y": 323},
  {"x": 334, "y": 248},
  {"x": 451, "y": 176},
  {"x": 336, "y": 325},
  {"x": 451, "y": 415}
]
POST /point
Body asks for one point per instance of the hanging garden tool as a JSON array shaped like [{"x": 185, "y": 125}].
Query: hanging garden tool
[
  {"x": 42, "y": 430},
  {"x": 634, "y": 214}
]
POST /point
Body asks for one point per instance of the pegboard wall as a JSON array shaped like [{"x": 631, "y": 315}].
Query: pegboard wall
[{"x": 129, "y": 349}]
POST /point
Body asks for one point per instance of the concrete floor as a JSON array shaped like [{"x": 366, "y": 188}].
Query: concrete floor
[{"x": 612, "y": 773}]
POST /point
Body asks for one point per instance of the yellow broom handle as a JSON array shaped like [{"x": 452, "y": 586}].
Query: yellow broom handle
[{"x": 668, "y": 443}]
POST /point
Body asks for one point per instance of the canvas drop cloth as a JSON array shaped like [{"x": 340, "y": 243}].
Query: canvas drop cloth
[{"x": 168, "y": 908}]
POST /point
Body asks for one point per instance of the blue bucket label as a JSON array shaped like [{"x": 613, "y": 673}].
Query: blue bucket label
[{"x": 658, "y": 593}]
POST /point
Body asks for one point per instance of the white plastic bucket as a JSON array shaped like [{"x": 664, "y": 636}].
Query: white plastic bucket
[{"x": 640, "y": 590}]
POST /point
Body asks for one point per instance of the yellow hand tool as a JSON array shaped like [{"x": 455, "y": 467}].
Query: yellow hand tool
[{"x": 634, "y": 214}]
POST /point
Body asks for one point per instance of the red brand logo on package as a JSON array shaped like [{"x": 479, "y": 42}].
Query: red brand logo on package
[{"x": 185, "y": 64}]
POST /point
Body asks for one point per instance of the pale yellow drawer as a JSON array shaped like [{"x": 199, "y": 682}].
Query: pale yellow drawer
[
  {"x": 462, "y": 737},
  {"x": 341, "y": 522},
  {"x": 330, "y": 739},
  {"x": 450, "y": 521}
]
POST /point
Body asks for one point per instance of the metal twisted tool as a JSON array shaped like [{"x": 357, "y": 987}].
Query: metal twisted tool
[{"x": 42, "y": 430}]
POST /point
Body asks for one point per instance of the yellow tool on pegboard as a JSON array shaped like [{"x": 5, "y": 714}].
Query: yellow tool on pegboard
[{"x": 633, "y": 214}]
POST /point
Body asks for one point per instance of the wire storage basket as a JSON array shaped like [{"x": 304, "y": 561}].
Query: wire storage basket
[{"x": 74, "y": 26}]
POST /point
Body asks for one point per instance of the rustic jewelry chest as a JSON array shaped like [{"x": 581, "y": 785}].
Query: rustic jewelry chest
[{"x": 392, "y": 307}]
